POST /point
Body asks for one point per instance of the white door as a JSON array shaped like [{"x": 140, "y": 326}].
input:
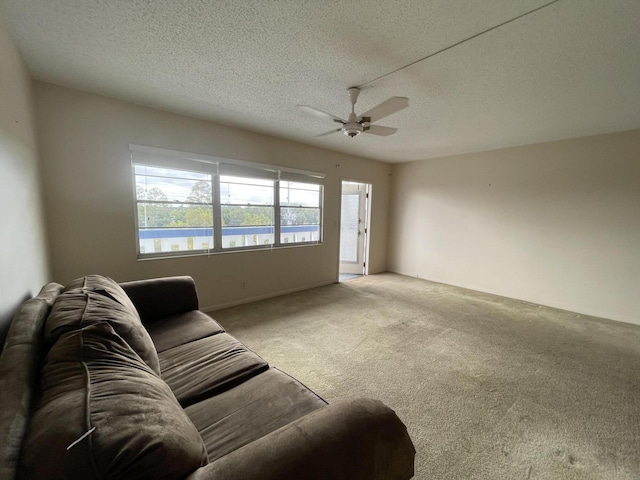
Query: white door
[{"x": 353, "y": 227}]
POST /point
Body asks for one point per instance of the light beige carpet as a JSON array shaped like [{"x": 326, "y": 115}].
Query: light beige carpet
[{"x": 489, "y": 387}]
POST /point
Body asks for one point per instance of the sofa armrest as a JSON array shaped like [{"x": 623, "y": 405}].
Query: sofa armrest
[
  {"x": 159, "y": 298},
  {"x": 357, "y": 439}
]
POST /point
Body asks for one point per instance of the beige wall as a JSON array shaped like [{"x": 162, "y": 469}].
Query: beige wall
[
  {"x": 23, "y": 253},
  {"x": 556, "y": 223},
  {"x": 84, "y": 141}
]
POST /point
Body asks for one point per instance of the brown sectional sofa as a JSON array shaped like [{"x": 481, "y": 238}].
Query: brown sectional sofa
[{"x": 101, "y": 380}]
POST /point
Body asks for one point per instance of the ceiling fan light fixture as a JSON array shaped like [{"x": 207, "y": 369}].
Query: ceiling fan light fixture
[{"x": 352, "y": 129}]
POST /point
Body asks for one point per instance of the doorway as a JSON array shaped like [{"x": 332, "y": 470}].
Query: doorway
[{"x": 354, "y": 229}]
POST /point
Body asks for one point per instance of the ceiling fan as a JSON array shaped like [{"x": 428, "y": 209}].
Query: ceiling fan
[{"x": 355, "y": 125}]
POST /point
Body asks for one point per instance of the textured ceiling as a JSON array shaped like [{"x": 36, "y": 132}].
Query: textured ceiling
[{"x": 567, "y": 70}]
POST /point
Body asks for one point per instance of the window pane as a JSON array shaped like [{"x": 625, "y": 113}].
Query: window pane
[
  {"x": 299, "y": 216},
  {"x": 245, "y": 191},
  {"x": 247, "y": 226},
  {"x": 172, "y": 189},
  {"x": 245, "y": 236},
  {"x": 172, "y": 215},
  {"x": 245, "y": 216},
  {"x": 300, "y": 197},
  {"x": 299, "y": 233},
  {"x": 175, "y": 210},
  {"x": 184, "y": 239},
  {"x": 299, "y": 225}
]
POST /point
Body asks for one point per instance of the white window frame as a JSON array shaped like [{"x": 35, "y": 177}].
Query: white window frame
[{"x": 216, "y": 167}]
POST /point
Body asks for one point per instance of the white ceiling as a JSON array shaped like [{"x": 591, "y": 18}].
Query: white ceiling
[{"x": 567, "y": 70}]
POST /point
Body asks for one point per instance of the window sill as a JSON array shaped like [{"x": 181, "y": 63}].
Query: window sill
[{"x": 171, "y": 255}]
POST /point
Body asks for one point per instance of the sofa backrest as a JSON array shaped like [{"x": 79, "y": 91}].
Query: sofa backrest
[
  {"x": 19, "y": 368},
  {"x": 95, "y": 298}
]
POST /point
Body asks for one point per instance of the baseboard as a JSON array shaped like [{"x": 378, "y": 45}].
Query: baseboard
[{"x": 279, "y": 293}]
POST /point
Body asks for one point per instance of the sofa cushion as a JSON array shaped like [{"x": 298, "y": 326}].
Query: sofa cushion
[
  {"x": 182, "y": 328},
  {"x": 92, "y": 379},
  {"x": 26, "y": 327},
  {"x": 208, "y": 366},
  {"x": 158, "y": 298},
  {"x": 94, "y": 299},
  {"x": 100, "y": 282},
  {"x": 251, "y": 410}
]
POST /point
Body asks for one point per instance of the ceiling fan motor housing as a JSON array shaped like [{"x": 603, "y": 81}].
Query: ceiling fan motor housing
[{"x": 352, "y": 129}]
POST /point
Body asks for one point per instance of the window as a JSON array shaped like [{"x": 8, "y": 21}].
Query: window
[
  {"x": 247, "y": 211},
  {"x": 300, "y": 207},
  {"x": 190, "y": 204},
  {"x": 173, "y": 207}
]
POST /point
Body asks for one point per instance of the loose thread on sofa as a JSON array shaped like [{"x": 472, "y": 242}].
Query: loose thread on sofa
[{"x": 81, "y": 438}]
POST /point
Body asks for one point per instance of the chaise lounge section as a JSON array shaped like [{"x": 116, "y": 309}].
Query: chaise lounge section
[{"x": 107, "y": 380}]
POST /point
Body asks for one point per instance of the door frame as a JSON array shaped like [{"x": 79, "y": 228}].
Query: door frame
[{"x": 367, "y": 222}]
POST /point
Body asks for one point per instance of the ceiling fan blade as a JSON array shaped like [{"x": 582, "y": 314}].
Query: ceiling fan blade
[
  {"x": 380, "y": 130},
  {"x": 328, "y": 133},
  {"x": 319, "y": 113},
  {"x": 386, "y": 108}
]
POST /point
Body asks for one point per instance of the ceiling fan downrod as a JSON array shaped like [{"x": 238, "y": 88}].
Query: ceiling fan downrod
[{"x": 353, "y": 128}]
